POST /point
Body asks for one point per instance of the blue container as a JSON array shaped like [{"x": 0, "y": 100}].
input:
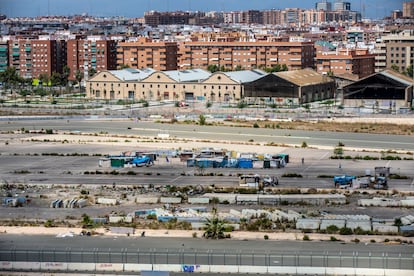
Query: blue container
[{"x": 245, "y": 163}]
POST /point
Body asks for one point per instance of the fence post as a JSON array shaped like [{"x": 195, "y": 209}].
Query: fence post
[
  {"x": 399, "y": 261},
  {"x": 369, "y": 259},
  {"x": 138, "y": 256}
]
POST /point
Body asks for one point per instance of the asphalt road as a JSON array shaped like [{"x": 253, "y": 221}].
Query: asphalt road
[
  {"x": 197, "y": 251},
  {"x": 278, "y": 136}
]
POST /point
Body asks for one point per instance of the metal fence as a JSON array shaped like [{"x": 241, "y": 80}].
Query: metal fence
[{"x": 239, "y": 258}]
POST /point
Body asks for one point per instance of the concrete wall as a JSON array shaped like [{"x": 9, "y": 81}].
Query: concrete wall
[
  {"x": 225, "y": 269},
  {"x": 109, "y": 201},
  {"x": 116, "y": 219},
  {"x": 171, "y": 200},
  {"x": 146, "y": 200},
  {"x": 198, "y": 200}
]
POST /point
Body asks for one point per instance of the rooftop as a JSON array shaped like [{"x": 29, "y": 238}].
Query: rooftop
[{"x": 303, "y": 77}]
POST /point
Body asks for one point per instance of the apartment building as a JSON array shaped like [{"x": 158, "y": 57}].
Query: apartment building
[
  {"x": 400, "y": 49},
  {"x": 145, "y": 53},
  {"x": 408, "y": 9},
  {"x": 4, "y": 55},
  {"x": 245, "y": 55},
  {"x": 90, "y": 53},
  {"x": 357, "y": 62},
  {"x": 33, "y": 57}
]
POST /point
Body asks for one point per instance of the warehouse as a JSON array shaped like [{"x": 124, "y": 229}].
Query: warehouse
[
  {"x": 383, "y": 92},
  {"x": 292, "y": 87}
]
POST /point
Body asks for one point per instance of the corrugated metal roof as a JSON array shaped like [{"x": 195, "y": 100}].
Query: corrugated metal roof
[
  {"x": 190, "y": 75},
  {"x": 246, "y": 75},
  {"x": 130, "y": 74},
  {"x": 397, "y": 77},
  {"x": 303, "y": 77}
]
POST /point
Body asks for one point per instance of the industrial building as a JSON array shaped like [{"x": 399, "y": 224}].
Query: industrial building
[{"x": 386, "y": 92}]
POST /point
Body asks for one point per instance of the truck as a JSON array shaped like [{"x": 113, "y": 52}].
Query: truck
[
  {"x": 344, "y": 181},
  {"x": 257, "y": 181}
]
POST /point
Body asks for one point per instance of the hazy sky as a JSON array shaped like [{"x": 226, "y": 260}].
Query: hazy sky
[{"x": 136, "y": 8}]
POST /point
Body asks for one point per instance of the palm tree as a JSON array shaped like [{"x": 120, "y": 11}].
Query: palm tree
[{"x": 214, "y": 228}]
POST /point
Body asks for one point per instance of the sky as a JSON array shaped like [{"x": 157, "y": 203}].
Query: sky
[{"x": 136, "y": 8}]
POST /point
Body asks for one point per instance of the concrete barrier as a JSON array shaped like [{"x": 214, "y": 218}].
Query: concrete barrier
[
  {"x": 253, "y": 269},
  {"x": 53, "y": 266},
  {"x": 399, "y": 272},
  {"x": 167, "y": 267},
  {"x": 309, "y": 270},
  {"x": 81, "y": 266},
  {"x": 340, "y": 271},
  {"x": 224, "y": 269},
  {"x": 137, "y": 267},
  {"x": 370, "y": 271},
  {"x": 290, "y": 270},
  {"x": 109, "y": 267},
  {"x": 5, "y": 265},
  {"x": 26, "y": 266}
]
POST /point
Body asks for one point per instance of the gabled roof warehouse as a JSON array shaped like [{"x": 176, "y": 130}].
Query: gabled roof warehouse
[{"x": 385, "y": 90}]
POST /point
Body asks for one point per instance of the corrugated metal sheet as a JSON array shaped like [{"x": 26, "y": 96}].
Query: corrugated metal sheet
[
  {"x": 311, "y": 224},
  {"x": 303, "y": 77},
  {"x": 246, "y": 76},
  {"x": 340, "y": 223},
  {"x": 190, "y": 75},
  {"x": 384, "y": 228}
]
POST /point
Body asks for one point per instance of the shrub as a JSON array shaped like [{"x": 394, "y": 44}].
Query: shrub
[
  {"x": 331, "y": 229},
  {"x": 345, "y": 231},
  {"x": 306, "y": 238},
  {"x": 266, "y": 237},
  {"x": 333, "y": 238}
]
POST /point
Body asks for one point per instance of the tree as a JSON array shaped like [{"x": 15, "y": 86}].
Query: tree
[
  {"x": 56, "y": 79},
  {"x": 123, "y": 66},
  {"x": 409, "y": 71},
  {"x": 79, "y": 77},
  {"x": 395, "y": 67},
  {"x": 238, "y": 68},
  {"x": 10, "y": 77},
  {"x": 65, "y": 75},
  {"x": 91, "y": 72},
  {"x": 86, "y": 220},
  {"x": 214, "y": 228},
  {"x": 202, "y": 120},
  {"x": 338, "y": 151},
  {"x": 212, "y": 68}
]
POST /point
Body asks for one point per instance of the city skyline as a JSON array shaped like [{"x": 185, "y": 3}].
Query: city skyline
[{"x": 135, "y": 8}]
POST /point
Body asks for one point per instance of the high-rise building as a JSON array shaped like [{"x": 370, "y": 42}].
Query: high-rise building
[
  {"x": 408, "y": 9},
  {"x": 92, "y": 53},
  {"x": 146, "y": 53},
  {"x": 340, "y": 5},
  {"x": 324, "y": 5},
  {"x": 34, "y": 57},
  {"x": 4, "y": 55}
]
